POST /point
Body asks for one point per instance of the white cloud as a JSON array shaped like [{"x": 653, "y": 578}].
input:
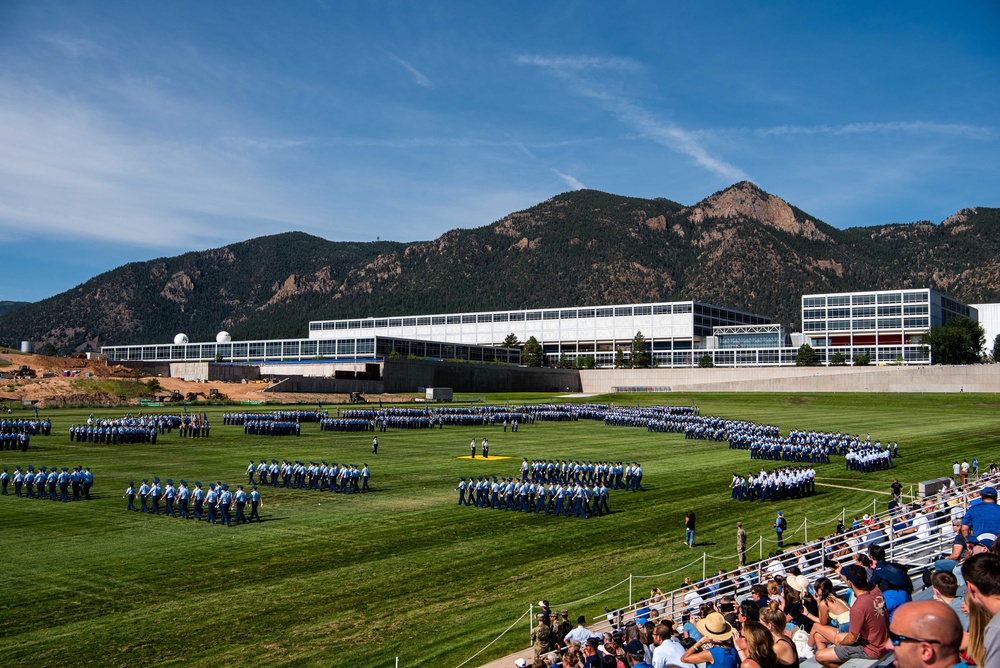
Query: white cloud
[
  {"x": 68, "y": 171},
  {"x": 571, "y": 181},
  {"x": 76, "y": 47},
  {"x": 914, "y": 127},
  {"x": 639, "y": 120},
  {"x": 419, "y": 77}
]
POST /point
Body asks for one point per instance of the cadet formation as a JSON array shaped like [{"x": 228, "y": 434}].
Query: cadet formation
[
  {"x": 216, "y": 505},
  {"x": 777, "y": 485},
  {"x": 319, "y": 476},
  {"x": 48, "y": 483}
]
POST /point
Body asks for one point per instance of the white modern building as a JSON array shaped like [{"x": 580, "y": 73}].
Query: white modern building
[
  {"x": 989, "y": 318},
  {"x": 886, "y": 325}
]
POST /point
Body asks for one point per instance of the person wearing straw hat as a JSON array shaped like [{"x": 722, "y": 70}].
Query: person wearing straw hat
[{"x": 716, "y": 644}]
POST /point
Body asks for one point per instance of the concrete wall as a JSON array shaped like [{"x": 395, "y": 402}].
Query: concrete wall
[
  {"x": 313, "y": 384},
  {"x": 974, "y": 378},
  {"x": 209, "y": 371},
  {"x": 317, "y": 369},
  {"x": 403, "y": 375}
]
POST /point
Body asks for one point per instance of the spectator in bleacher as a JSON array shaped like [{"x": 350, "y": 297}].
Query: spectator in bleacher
[
  {"x": 668, "y": 651},
  {"x": 800, "y": 606},
  {"x": 959, "y": 552},
  {"x": 716, "y": 644},
  {"x": 868, "y": 632},
  {"x": 895, "y": 584},
  {"x": 983, "y": 517},
  {"x": 945, "y": 586},
  {"x": 755, "y": 647},
  {"x": 926, "y": 634},
  {"x": 834, "y": 615},
  {"x": 581, "y": 633},
  {"x": 773, "y": 617},
  {"x": 982, "y": 580}
]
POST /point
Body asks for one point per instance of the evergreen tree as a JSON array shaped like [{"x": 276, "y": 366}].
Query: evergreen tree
[
  {"x": 511, "y": 341},
  {"x": 838, "y": 359},
  {"x": 532, "y": 353},
  {"x": 958, "y": 341},
  {"x": 996, "y": 349},
  {"x": 620, "y": 359},
  {"x": 705, "y": 362},
  {"x": 564, "y": 362},
  {"x": 640, "y": 356},
  {"x": 862, "y": 360},
  {"x": 806, "y": 356},
  {"x": 586, "y": 362}
]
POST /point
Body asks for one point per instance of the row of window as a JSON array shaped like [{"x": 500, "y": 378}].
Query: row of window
[
  {"x": 869, "y": 298},
  {"x": 771, "y": 356},
  {"x": 865, "y": 311},
  {"x": 517, "y": 316},
  {"x": 865, "y": 324}
]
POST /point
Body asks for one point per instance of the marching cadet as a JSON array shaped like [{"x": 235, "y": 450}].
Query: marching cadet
[
  {"x": 211, "y": 499},
  {"x": 241, "y": 503},
  {"x": 154, "y": 496},
  {"x": 250, "y": 472},
  {"x": 169, "y": 494},
  {"x": 130, "y": 495},
  {"x": 255, "y": 503},
  {"x": 199, "y": 500},
  {"x": 144, "y": 496},
  {"x": 88, "y": 482},
  {"x": 5, "y": 480},
  {"x": 472, "y": 446},
  {"x": 183, "y": 496},
  {"x": 225, "y": 502}
]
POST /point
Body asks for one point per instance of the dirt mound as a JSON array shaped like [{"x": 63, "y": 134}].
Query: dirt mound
[{"x": 81, "y": 399}]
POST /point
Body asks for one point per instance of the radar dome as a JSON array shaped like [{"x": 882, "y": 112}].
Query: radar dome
[
  {"x": 180, "y": 339},
  {"x": 223, "y": 337}
]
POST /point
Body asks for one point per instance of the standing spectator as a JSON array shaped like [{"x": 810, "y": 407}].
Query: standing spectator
[
  {"x": 965, "y": 471},
  {"x": 689, "y": 528},
  {"x": 896, "y": 488},
  {"x": 983, "y": 517},
  {"x": 541, "y": 636},
  {"x": 741, "y": 543},
  {"x": 779, "y": 528},
  {"x": 869, "y": 630},
  {"x": 982, "y": 579},
  {"x": 956, "y": 472}
]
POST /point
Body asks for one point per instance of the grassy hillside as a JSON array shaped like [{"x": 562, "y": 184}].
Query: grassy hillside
[{"x": 402, "y": 571}]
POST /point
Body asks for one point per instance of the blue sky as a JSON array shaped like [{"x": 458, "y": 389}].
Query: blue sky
[{"x": 134, "y": 130}]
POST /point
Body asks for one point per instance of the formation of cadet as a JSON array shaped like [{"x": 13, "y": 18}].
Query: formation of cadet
[
  {"x": 279, "y": 416},
  {"x": 49, "y": 483},
  {"x": 271, "y": 428},
  {"x": 15, "y": 441},
  {"x": 344, "y": 424},
  {"x": 217, "y": 505},
  {"x": 870, "y": 458},
  {"x": 126, "y": 429},
  {"x": 572, "y": 500},
  {"x": 22, "y": 426},
  {"x": 784, "y": 483},
  {"x": 615, "y": 475},
  {"x": 319, "y": 476}
]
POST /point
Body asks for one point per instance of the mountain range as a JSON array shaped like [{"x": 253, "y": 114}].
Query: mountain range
[{"x": 741, "y": 247}]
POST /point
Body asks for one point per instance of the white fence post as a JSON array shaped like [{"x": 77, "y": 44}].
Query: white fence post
[
  {"x": 630, "y": 590},
  {"x": 704, "y": 565},
  {"x": 806, "y": 525},
  {"x": 531, "y": 620}
]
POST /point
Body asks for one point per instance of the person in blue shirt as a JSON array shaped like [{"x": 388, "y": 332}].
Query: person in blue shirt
[
  {"x": 88, "y": 482},
  {"x": 225, "y": 502},
  {"x": 211, "y": 500},
  {"x": 183, "y": 495},
  {"x": 144, "y": 496},
  {"x": 254, "y": 504},
  {"x": 241, "y": 503},
  {"x": 983, "y": 517},
  {"x": 130, "y": 495}
]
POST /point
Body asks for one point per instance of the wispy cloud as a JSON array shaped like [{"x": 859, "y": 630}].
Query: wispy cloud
[
  {"x": 577, "y": 63},
  {"x": 419, "y": 77},
  {"x": 913, "y": 127},
  {"x": 571, "y": 181},
  {"x": 641, "y": 121},
  {"x": 75, "y": 47}
]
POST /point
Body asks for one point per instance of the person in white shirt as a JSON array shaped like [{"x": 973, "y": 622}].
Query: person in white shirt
[
  {"x": 668, "y": 651},
  {"x": 581, "y": 633}
]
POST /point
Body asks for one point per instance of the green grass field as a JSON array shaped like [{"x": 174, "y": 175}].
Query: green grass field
[{"x": 337, "y": 580}]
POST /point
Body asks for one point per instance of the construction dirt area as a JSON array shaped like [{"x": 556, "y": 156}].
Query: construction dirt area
[{"x": 51, "y": 382}]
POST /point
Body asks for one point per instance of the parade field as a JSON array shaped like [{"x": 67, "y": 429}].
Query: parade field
[{"x": 403, "y": 571}]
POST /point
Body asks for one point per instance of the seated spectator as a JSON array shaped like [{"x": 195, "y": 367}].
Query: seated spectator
[
  {"x": 895, "y": 584},
  {"x": 716, "y": 645},
  {"x": 755, "y": 647},
  {"x": 834, "y": 615},
  {"x": 958, "y": 554},
  {"x": 868, "y": 633},
  {"x": 982, "y": 580},
  {"x": 800, "y": 606},
  {"x": 773, "y": 617},
  {"x": 945, "y": 586},
  {"x": 926, "y": 634}
]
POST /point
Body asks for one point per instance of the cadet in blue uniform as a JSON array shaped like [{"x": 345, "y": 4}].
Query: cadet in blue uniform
[
  {"x": 225, "y": 502},
  {"x": 199, "y": 500},
  {"x": 130, "y": 495},
  {"x": 254, "y": 504},
  {"x": 241, "y": 503},
  {"x": 4, "y": 481},
  {"x": 183, "y": 494},
  {"x": 144, "y": 496},
  {"x": 211, "y": 499}
]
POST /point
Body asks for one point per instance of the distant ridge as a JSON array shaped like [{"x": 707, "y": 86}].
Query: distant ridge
[{"x": 740, "y": 247}]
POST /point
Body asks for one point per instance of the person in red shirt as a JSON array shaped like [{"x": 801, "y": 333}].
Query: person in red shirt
[{"x": 869, "y": 630}]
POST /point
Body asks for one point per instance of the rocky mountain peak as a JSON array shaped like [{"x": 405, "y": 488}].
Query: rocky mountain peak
[{"x": 747, "y": 200}]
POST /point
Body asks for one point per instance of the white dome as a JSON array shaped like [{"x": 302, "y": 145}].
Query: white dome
[
  {"x": 180, "y": 339},
  {"x": 223, "y": 337}
]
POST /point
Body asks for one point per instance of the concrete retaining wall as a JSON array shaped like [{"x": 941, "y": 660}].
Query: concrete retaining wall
[
  {"x": 326, "y": 385},
  {"x": 403, "y": 375},
  {"x": 974, "y": 378},
  {"x": 209, "y": 371}
]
